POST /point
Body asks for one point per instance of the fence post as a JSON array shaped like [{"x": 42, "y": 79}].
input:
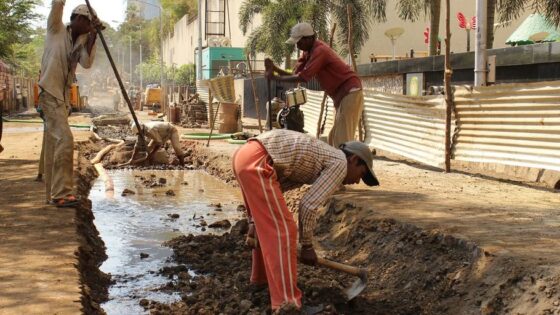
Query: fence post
[{"x": 448, "y": 92}]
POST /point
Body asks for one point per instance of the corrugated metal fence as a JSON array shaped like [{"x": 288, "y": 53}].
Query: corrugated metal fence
[
  {"x": 511, "y": 124},
  {"x": 413, "y": 127}
]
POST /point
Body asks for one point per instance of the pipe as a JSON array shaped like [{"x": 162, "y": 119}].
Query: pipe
[{"x": 480, "y": 57}]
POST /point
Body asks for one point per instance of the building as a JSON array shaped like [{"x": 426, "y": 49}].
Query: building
[
  {"x": 413, "y": 36},
  {"x": 220, "y": 26},
  {"x": 180, "y": 47}
]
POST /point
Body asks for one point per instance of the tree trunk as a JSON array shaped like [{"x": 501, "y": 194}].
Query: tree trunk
[
  {"x": 435, "y": 12},
  {"x": 288, "y": 59},
  {"x": 491, "y": 5}
]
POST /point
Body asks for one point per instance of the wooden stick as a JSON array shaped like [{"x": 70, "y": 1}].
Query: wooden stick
[
  {"x": 350, "y": 49},
  {"x": 448, "y": 92},
  {"x": 324, "y": 102},
  {"x": 256, "y": 98},
  {"x": 354, "y": 67}
]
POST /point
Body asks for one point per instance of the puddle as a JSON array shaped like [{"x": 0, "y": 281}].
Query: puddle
[{"x": 139, "y": 223}]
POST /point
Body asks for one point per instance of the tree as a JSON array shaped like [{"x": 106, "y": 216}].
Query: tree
[
  {"x": 411, "y": 10},
  {"x": 510, "y": 10},
  {"x": 491, "y": 11},
  {"x": 27, "y": 56},
  {"x": 185, "y": 74},
  {"x": 278, "y": 17},
  {"x": 15, "y": 24}
]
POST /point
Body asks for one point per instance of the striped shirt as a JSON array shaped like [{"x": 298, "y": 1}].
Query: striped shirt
[{"x": 300, "y": 159}]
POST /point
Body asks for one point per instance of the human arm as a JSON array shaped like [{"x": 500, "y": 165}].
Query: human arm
[
  {"x": 54, "y": 21},
  {"x": 326, "y": 184},
  {"x": 87, "y": 53},
  {"x": 284, "y": 75}
]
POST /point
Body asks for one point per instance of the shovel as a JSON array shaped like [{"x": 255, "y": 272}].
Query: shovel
[
  {"x": 358, "y": 286},
  {"x": 140, "y": 151}
]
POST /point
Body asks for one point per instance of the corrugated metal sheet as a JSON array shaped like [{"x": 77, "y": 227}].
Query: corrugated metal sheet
[
  {"x": 512, "y": 124},
  {"x": 413, "y": 127},
  {"x": 311, "y": 111},
  {"x": 203, "y": 91}
]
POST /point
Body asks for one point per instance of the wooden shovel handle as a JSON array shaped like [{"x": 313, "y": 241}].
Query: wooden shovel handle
[{"x": 355, "y": 271}]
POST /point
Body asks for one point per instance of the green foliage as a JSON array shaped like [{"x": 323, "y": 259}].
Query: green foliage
[
  {"x": 150, "y": 70},
  {"x": 185, "y": 74},
  {"x": 278, "y": 17},
  {"x": 509, "y": 10},
  {"x": 15, "y": 24},
  {"x": 27, "y": 56}
]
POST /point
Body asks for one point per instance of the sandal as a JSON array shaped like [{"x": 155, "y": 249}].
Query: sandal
[{"x": 66, "y": 202}]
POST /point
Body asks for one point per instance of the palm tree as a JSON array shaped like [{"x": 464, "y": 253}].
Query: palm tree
[
  {"x": 278, "y": 16},
  {"x": 511, "y": 9},
  {"x": 491, "y": 16},
  {"x": 411, "y": 10}
]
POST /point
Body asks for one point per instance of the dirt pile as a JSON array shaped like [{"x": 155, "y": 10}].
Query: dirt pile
[
  {"x": 91, "y": 252},
  {"x": 114, "y": 131},
  {"x": 411, "y": 271}
]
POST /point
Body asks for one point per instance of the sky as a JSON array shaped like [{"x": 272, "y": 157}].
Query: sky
[{"x": 107, "y": 10}]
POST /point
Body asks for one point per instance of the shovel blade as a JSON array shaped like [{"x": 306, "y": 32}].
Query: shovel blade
[{"x": 357, "y": 287}]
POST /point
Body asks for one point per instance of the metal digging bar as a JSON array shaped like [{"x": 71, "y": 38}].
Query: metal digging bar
[{"x": 141, "y": 143}]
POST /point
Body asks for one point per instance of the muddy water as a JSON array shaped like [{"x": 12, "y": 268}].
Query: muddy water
[{"x": 138, "y": 224}]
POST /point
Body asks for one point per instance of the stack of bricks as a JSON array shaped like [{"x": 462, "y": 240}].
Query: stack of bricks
[{"x": 195, "y": 113}]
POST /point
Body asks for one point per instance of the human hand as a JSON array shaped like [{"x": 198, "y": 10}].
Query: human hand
[
  {"x": 96, "y": 24},
  {"x": 251, "y": 240},
  {"x": 268, "y": 64},
  {"x": 269, "y": 74},
  {"x": 307, "y": 255}
]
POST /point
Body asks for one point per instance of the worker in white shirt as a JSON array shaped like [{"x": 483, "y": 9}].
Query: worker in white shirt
[
  {"x": 65, "y": 47},
  {"x": 159, "y": 133}
]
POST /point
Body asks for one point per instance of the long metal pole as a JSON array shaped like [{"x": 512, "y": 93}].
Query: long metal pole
[
  {"x": 480, "y": 56},
  {"x": 448, "y": 91},
  {"x": 130, "y": 59},
  {"x": 141, "y": 75},
  {"x": 199, "y": 68},
  {"x": 161, "y": 80}
]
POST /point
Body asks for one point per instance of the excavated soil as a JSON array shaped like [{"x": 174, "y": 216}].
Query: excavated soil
[
  {"x": 91, "y": 252},
  {"x": 411, "y": 270}
]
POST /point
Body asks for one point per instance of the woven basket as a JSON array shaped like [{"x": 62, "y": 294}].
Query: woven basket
[{"x": 223, "y": 89}]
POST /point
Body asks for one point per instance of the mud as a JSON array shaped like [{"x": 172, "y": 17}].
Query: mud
[
  {"x": 411, "y": 270},
  {"x": 91, "y": 252}
]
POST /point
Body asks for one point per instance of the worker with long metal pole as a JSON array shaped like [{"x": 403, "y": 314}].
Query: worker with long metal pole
[
  {"x": 140, "y": 147},
  {"x": 65, "y": 47},
  {"x": 480, "y": 56}
]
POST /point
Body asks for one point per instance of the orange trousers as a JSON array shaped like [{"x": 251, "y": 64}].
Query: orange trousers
[{"x": 275, "y": 260}]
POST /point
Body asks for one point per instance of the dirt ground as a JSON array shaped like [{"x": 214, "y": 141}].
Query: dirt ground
[
  {"x": 41, "y": 245},
  {"x": 433, "y": 243}
]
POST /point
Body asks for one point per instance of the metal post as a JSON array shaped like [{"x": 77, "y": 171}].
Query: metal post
[
  {"x": 141, "y": 75},
  {"x": 163, "y": 92},
  {"x": 199, "y": 68},
  {"x": 130, "y": 59},
  {"x": 480, "y": 56},
  {"x": 448, "y": 91}
]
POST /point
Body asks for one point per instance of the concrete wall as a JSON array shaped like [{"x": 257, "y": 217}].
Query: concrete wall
[
  {"x": 413, "y": 37},
  {"x": 179, "y": 47},
  {"x": 530, "y": 63}
]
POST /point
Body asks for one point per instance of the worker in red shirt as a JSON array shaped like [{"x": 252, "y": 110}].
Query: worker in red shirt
[{"x": 338, "y": 80}]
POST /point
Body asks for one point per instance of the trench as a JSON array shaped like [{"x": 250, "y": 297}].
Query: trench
[{"x": 163, "y": 205}]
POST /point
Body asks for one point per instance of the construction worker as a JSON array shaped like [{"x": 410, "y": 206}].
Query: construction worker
[
  {"x": 338, "y": 80},
  {"x": 272, "y": 163},
  {"x": 65, "y": 47},
  {"x": 159, "y": 133}
]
